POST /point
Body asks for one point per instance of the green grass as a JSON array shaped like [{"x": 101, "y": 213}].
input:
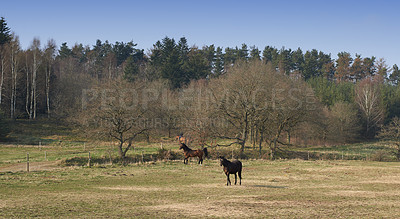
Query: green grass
[
  {"x": 287, "y": 188},
  {"x": 282, "y": 188}
]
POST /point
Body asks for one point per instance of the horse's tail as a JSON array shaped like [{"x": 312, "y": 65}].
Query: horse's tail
[{"x": 205, "y": 152}]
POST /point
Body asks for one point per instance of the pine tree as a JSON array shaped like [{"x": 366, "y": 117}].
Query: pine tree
[
  {"x": 356, "y": 70},
  {"x": 219, "y": 62},
  {"x": 395, "y": 76},
  {"x": 343, "y": 66},
  {"x": 5, "y": 35},
  {"x": 131, "y": 69}
]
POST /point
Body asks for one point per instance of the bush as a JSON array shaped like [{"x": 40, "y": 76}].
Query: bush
[
  {"x": 381, "y": 156},
  {"x": 164, "y": 154}
]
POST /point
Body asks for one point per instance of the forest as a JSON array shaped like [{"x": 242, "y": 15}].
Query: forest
[{"x": 251, "y": 97}]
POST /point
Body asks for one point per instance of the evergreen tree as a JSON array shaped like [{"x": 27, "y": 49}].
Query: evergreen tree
[
  {"x": 395, "y": 76},
  {"x": 64, "y": 51},
  {"x": 298, "y": 60},
  {"x": 254, "y": 53},
  {"x": 131, "y": 69},
  {"x": 270, "y": 54},
  {"x": 183, "y": 50},
  {"x": 209, "y": 52},
  {"x": 356, "y": 70},
  {"x": 5, "y": 35},
  {"x": 171, "y": 66},
  {"x": 230, "y": 55},
  {"x": 196, "y": 67},
  {"x": 219, "y": 62},
  {"x": 343, "y": 66},
  {"x": 124, "y": 50},
  {"x": 368, "y": 65},
  {"x": 382, "y": 68},
  {"x": 285, "y": 60},
  {"x": 243, "y": 52},
  {"x": 310, "y": 67}
]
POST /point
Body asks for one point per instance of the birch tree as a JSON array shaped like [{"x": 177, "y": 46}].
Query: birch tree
[
  {"x": 367, "y": 97},
  {"x": 14, "y": 63},
  {"x": 36, "y": 61},
  {"x": 49, "y": 58}
]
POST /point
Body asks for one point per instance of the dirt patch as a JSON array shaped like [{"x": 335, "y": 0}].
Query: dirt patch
[
  {"x": 33, "y": 166},
  {"x": 137, "y": 188}
]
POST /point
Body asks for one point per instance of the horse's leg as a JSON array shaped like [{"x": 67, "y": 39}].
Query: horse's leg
[
  {"x": 228, "y": 180},
  {"x": 235, "y": 178},
  {"x": 240, "y": 177}
]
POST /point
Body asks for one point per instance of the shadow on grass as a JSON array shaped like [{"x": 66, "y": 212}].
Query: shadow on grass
[{"x": 268, "y": 186}]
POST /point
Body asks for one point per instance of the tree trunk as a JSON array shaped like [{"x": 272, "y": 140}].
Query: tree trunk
[
  {"x": 13, "y": 98},
  {"x": 27, "y": 89},
  {"x": 245, "y": 133},
  {"x": 273, "y": 149},
  {"x": 2, "y": 77},
  {"x": 121, "y": 152},
  {"x": 260, "y": 144},
  {"x": 48, "y": 74}
]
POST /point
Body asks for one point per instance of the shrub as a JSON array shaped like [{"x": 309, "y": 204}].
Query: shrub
[{"x": 381, "y": 156}]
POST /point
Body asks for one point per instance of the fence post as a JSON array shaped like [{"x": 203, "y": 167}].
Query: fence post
[
  {"x": 308, "y": 155},
  {"x": 27, "y": 161},
  {"x": 89, "y": 160},
  {"x": 40, "y": 145},
  {"x": 142, "y": 157}
]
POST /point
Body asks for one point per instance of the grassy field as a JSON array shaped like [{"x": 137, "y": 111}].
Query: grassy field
[
  {"x": 286, "y": 188},
  {"x": 315, "y": 188}
]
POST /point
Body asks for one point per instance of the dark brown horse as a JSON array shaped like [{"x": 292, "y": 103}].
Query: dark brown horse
[
  {"x": 193, "y": 153},
  {"x": 231, "y": 168}
]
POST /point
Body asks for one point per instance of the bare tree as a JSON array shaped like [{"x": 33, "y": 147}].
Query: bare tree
[
  {"x": 234, "y": 96},
  {"x": 292, "y": 103},
  {"x": 367, "y": 97},
  {"x": 14, "y": 60},
  {"x": 343, "y": 123},
  {"x": 49, "y": 58},
  {"x": 33, "y": 61},
  {"x": 391, "y": 132},
  {"x": 114, "y": 111}
]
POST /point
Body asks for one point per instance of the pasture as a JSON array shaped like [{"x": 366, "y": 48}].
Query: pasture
[{"x": 170, "y": 189}]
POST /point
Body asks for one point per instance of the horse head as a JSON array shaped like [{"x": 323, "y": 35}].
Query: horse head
[
  {"x": 183, "y": 146},
  {"x": 221, "y": 160}
]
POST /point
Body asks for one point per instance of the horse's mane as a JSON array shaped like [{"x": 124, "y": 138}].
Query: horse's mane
[
  {"x": 224, "y": 161},
  {"x": 185, "y": 147}
]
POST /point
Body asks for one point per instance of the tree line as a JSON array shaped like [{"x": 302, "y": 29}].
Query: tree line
[{"x": 354, "y": 95}]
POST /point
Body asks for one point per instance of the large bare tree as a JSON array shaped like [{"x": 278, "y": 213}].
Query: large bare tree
[
  {"x": 117, "y": 111},
  {"x": 367, "y": 97}
]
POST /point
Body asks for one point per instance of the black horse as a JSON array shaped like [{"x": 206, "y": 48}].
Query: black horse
[
  {"x": 231, "y": 168},
  {"x": 193, "y": 153}
]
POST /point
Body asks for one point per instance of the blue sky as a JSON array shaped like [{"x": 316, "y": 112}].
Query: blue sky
[{"x": 364, "y": 27}]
